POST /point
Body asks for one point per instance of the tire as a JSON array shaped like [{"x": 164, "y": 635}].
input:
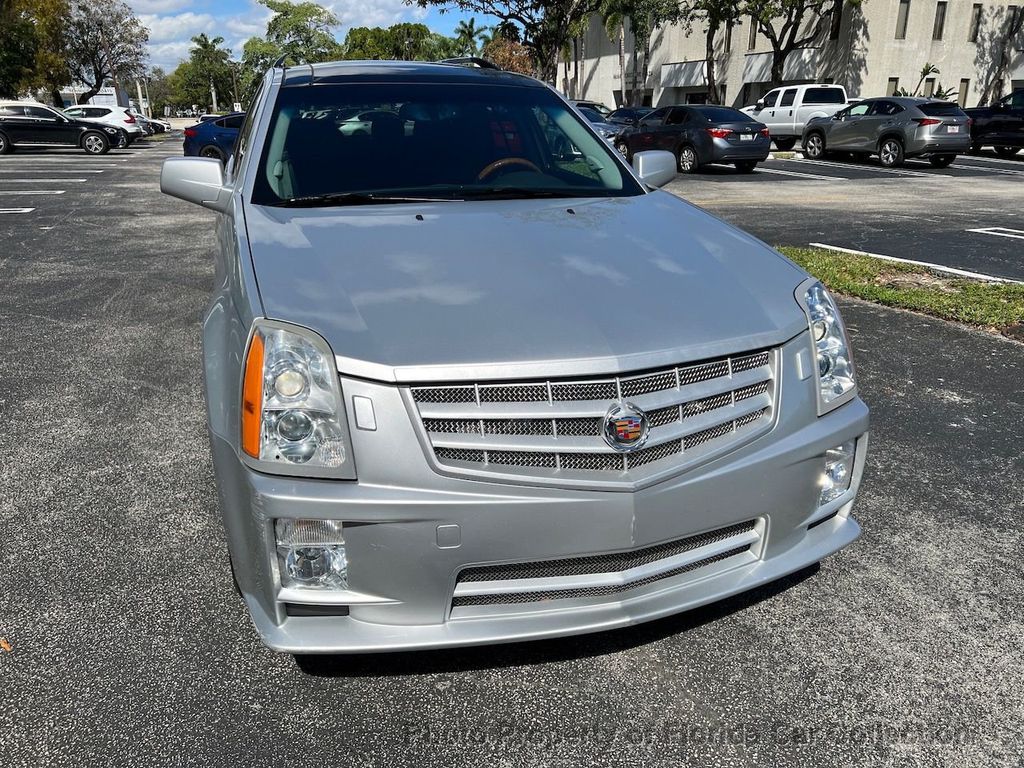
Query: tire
[
  {"x": 890, "y": 152},
  {"x": 1007, "y": 151},
  {"x": 212, "y": 152},
  {"x": 687, "y": 159},
  {"x": 941, "y": 161},
  {"x": 814, "y": 146},
  {"x": 95, "y": 143},
  {"x": 785, "y": 143},
  {"x": 5, "y": 145},
  {"x": 746, "y": 166}
]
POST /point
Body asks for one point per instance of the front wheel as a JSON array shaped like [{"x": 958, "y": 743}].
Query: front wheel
[
  {"x": 1007, "y": 151},
  {"x": 5, "y": 145},
  {"x": 785, "y": 143},
  {"x": 746, "y": 166},
  {"x": 941, "y": 161},
  {"x": 95, "y": 143},
  {"x": 688, "y": 160},
  {"x": 814, "y": 148},
  {"x": 890, "y": 153}
]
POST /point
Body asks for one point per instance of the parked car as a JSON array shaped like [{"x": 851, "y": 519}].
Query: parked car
[
  {"x": 786, "y": 111},
  {"x": 463, "y": 390},
  {"x": 629, "y": 115},
  {"x": 208, "y": 116},
  {"x": 27, "y": 124},
  {"x": 999, "y": 125},
  {"x": 597, "y": 106},
  {"x": 164, "y": 125},
  {"x": 607, "y": 131},
  {"x": 700, "y": 134},
  {"x": 119, "y": 117},
  {"x": 147, "y": 126},
  {"x": 214, "y": 138},
  {"x": 894, "y": 128}
]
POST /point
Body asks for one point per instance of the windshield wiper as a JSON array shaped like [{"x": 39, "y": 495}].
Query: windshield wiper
[
  {"x": 516, "y": 193},
  {"x": 351, "y": 198}
]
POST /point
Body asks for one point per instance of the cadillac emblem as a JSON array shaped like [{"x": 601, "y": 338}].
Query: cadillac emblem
[{"x": 625, "y": 427}]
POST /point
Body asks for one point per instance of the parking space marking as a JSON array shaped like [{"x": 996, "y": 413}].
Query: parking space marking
[
  {"x": 32, "y": 192},
  {"x": 816, "y": 177},
  {"x": 928, "y": 265},
  {"x": 1001, "y": 171},
  {"x": 871, "y": 168},
  {"x": 983, "y": 159},
  {"x": 42, "y": 181},
  {"x": 1015, "y": 234},
  {"x": 48, "y": 170},
  {"x": 16, "y": 210}
]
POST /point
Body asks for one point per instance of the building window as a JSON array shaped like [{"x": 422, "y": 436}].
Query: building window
[
  {"x": 728, "y": 38},
  {"x": 893, "y": 84},
  {"x": 752, "y": 35},
  {"x": 929, "y": 87},
  {"x": 972, "y": 35},
  {"x": 901, "y": 20},
  {"x": 837, "y": 21},
  {"x": 940, "y": 21},
  {"x": 965, "y": 86}
]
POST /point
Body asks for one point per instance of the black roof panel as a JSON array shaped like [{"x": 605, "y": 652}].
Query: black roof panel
[{"x": 400, "y": 71}]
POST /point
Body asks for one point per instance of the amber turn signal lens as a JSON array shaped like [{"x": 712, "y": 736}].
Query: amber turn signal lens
[{"x": 252, "y": 397}]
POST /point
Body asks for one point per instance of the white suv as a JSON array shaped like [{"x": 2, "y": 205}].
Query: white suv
[{"x": 119, "y": 117}]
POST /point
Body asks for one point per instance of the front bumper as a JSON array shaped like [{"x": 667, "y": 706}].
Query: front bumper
[{"x": 402, "y": 575}]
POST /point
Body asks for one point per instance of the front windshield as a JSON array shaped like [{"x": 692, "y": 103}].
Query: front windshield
[{"x": 431, "y": 141}]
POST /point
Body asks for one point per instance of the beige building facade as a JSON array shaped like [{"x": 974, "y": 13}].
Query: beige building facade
[{"x": 872, "y": 49}]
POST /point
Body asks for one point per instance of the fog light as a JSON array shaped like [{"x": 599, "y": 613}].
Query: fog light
[
  {"x": 311, "y": 554},
  {"x": 838, "y": 472}
]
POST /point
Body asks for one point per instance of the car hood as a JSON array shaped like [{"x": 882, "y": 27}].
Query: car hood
[{"x": 501, "y": 289}]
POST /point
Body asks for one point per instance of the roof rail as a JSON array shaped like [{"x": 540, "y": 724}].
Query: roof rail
[
  {"x": 280, "y": 62},
  {"x": 471, "y": 61}
]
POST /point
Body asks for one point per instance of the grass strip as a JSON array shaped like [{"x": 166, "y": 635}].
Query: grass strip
[{"x": 995, "y": 306}]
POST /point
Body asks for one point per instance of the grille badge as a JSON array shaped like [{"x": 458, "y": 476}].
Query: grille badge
[{"x": 626, "y": 427}]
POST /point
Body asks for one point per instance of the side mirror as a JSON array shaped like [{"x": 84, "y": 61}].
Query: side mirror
[
  {"x": 656, "y": 168},
  {"x": 198, "y": 180},
  {"x": 759, "y": 106}
]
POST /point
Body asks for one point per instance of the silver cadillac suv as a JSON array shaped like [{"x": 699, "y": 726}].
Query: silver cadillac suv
[{"x": 472, "y": 379}]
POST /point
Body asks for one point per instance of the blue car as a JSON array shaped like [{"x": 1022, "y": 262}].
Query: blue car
[{"x": 214, "y": 138}]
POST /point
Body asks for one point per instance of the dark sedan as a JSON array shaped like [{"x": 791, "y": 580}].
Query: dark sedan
[
  {"x": 214, "y": 138},
  {"x": 701, "y": 134}
]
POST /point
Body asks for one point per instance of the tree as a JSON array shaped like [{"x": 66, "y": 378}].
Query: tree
[
  {"x": 791, "y": 24},
  {"x": 411, "y": 42},
  {"x": 212, "y": 64},
  {"x": 258, "y": 55},
  {"x": 715, "y": 15},
  {"x": 546, "y": 26},
  {"x": 995, "y": 49},
  {"x": 302, "y": 31},
  {"x": 466, "y": 35},
  {"x": 613, "y": 15},
  {"x": 18, "y": 46},
  {"x": 510, "y": 55},
  {"x": 104, "y": 41}
]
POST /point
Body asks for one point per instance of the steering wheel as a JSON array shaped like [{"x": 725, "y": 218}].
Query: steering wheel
[{"x": 504, "y": 162}]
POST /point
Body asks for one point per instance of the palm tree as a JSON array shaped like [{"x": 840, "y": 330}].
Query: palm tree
[
  {"x": 466, "y": 34},
  {"x": 613, "y": 14}
]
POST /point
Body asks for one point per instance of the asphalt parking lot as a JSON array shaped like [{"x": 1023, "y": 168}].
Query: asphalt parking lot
[
  {"x": 129, "y": 646},
  {"x": 964, "y": 216}
]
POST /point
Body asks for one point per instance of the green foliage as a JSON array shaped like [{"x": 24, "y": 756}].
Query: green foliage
[
  {"x": 409, "y": 42},
  {"x": 467, "y": 33},
  {"x": 18, "y": 45},
  {"x": 989, "y": 305},
  {"x": 302, "y": 31},
  {"x": 208, "y": 64},
  {"x": 104, "y": 41}
]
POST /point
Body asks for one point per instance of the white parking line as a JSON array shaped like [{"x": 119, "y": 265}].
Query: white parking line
[
  {"x": 48, "y": 170},
  {"x": 32, "y": 192},
  {"x": 871, "y": 168},
  {"x": 997, "y": 171},
  {"x": 42, "y": 181},
  {"x": 936, "y": 267},
  {"x": 16, "y": 210},
  {"x": 982, "y": 159},
  {"x": 1016, "y": 234},
  {"x": 780, "y": 172}
]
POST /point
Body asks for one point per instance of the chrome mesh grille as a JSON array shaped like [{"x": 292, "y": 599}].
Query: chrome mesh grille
[
  {"x": 557, "y": 426},
  {"x": 615, "y": 561}
]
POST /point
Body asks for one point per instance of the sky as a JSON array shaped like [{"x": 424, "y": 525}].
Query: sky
[{"x": 172, "y": 23}]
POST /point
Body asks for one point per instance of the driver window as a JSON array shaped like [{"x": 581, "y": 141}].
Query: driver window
[
  {"x": 678, "y": 117},
  {"x": 655, "y": 117},
  {"x": 770, "y": 99},
  {"x": 859, "y": 110}
]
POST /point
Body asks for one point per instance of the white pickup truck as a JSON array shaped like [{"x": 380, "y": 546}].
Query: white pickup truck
[{"x": 787, "y": 110}]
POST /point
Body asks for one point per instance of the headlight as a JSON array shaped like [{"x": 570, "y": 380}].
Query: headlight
[
  {"x": 293, "y": 416},
  {"x": 833, "y": 366}
]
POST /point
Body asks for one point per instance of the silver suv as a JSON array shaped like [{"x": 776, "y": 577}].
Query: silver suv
[
  {"x": 894, "y": 128},
  {"x": 471, "y": 379}
]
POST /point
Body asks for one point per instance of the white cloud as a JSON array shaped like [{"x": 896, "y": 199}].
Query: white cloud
[
  {"x": 374, "y": 13},
  {"x": 181, "y": 26},
  {"x": 158, "y": 6}
]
